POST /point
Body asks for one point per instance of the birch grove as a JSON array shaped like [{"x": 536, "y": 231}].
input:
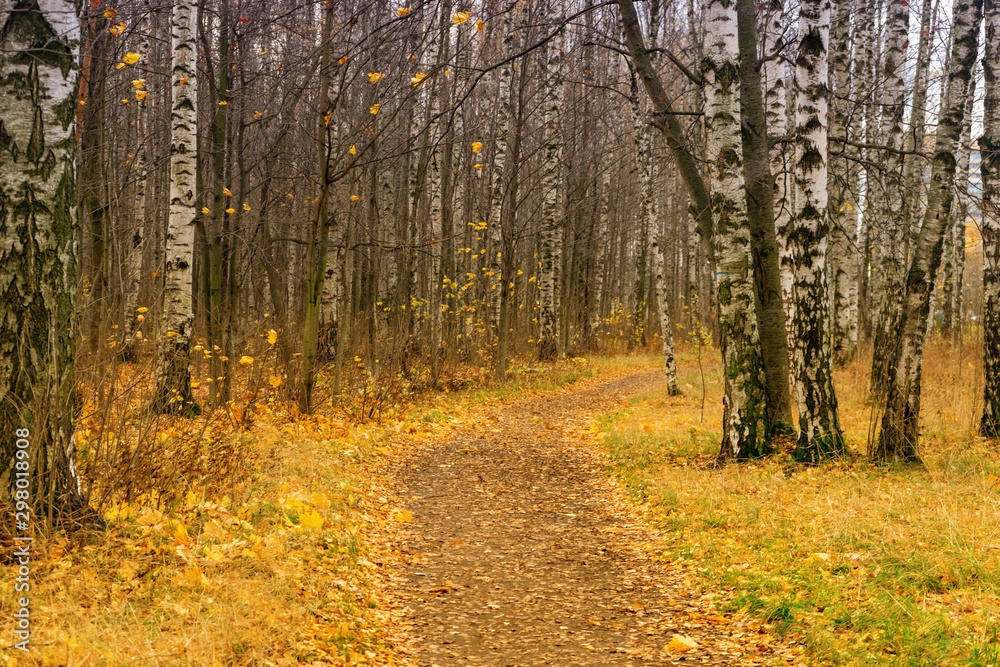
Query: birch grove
[{"x": 345, "y": 204}]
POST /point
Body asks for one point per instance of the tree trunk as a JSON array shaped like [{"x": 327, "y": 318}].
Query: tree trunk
[
  {"x": 776, "y": 124},
  {"x": 890, "y": 233},
  {"x": 663, "y": 306},
  {"x": 954, "y": 268},
  {"x": 745, "y": 420},
  {"x": 760, "y": 214},
  {"x": 38, "y": 68},
  {"x": 497, "y": 185},
  {"x": 819, "y": 423},
  {"x": 550, "y": 255},
  {"x": 319, "y": 237},
  {"x": 989, "y": 149},
  {"x": 898, "y": 438},
  {"x": 843, "y": 257},
  {"x": 174, "y": 383}
]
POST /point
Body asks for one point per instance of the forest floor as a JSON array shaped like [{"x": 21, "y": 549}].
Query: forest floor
[
  {"x": 564, "y": 517},
  {"x": 517, "y": 548}
]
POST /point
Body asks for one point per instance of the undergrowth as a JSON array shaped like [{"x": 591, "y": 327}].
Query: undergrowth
[{"x": 243, "y": 536}]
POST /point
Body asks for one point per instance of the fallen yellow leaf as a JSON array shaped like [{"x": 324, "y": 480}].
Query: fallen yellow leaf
[{"x": 680, "y": 644}]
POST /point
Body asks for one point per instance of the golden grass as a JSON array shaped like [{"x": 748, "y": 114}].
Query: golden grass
[{"x": 861, "y": 564}]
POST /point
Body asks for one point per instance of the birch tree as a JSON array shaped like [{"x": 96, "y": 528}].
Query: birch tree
[
  {"x": 819, "y": 423},
  {"x": 174, "y": 381},
  {"x": 745, "y": 427},
  {"x": 550, "y": 256},
  {"x": 989, "y": 150},
  {"x": 776, "y": 121},
  {"x": 38, "y": 76},
  {"x": 760, "y": 215},
  {"x": 898, "y": 438},
  {"x": 842, "y": 262},
  {"x": 887, "y": 197}
]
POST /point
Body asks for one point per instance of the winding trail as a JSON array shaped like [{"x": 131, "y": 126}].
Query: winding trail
[{"x": 522, "y": 551}]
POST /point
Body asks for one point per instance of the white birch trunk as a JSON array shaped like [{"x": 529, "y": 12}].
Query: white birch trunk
[
  {"x": 843, "y": 259},
  {"x": 890, "y": 233},
  {"x": 744, "y": 428},
  {"x": 663, "y": 306},
  {"x": 174, "y": 382},
  {"x": 819, "y": 423},
  {"x": 600, "y": 252},
  {"x": 494, "y": 251},
  {"x": 776, "y": 120},
  {"x": 38, "y": 248},
  {"x": 549, "y": 259}
]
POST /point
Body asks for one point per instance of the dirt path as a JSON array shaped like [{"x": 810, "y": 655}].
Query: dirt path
[{"x": 522, "y": 552}]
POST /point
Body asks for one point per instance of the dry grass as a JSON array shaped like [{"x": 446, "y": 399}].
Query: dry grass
[{"x": 862, "y": 565}]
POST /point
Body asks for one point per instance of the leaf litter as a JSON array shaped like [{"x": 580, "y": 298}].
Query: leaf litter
[{"x": 517, "y": 548}]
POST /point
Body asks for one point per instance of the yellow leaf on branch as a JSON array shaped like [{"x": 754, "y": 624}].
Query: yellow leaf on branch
[
  {"x": 458, "y": 18},
  {"x": 131, "y": 58}
]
